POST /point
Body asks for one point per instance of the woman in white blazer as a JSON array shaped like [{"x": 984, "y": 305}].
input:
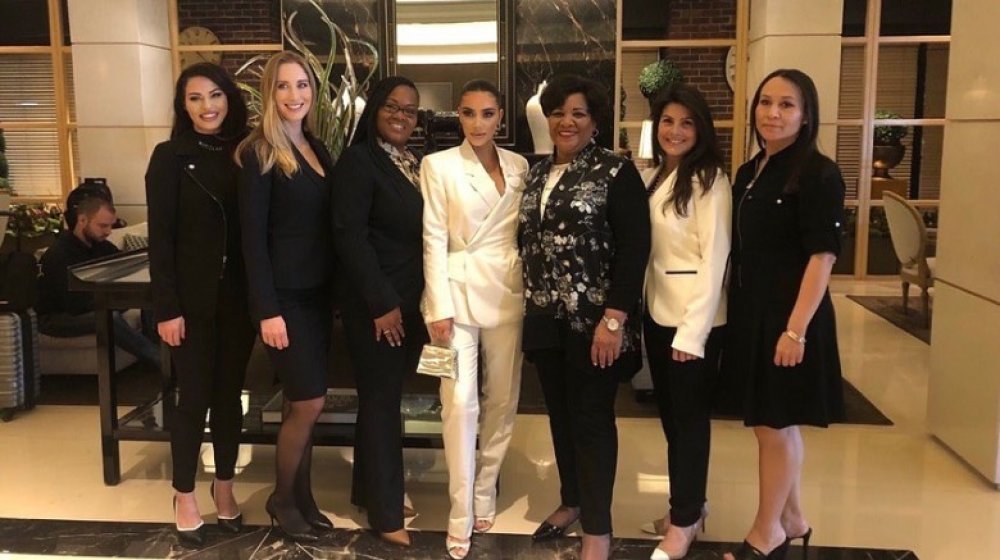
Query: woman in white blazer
[
  {"x": 690, "y": 211},
  {"x": 474, "y": 298}
]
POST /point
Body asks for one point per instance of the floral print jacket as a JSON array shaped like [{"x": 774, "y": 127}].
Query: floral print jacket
[{"x": 590, "y": 248}]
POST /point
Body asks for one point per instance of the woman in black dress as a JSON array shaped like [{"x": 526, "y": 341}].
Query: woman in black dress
[
  {"x": 199, "y": 283},
  {"x": 284, "y": 200},
  {"x": 782, "y": 343},
  {"x": 377, "y": 213},
  {"x": 583, "y": 233}
]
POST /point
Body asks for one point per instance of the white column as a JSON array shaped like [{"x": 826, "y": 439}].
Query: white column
[
  {"x": 124, "y": 92},
  {"x": 963, "y": 400},
  {"x": 784, "y": 34}
]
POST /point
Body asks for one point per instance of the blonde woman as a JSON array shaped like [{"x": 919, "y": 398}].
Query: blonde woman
[
  {"x": 473, "y": 298},
  {"x": 284, "y": 209}
]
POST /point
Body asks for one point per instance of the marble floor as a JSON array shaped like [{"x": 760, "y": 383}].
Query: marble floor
[{"x": 865, "y": 487}]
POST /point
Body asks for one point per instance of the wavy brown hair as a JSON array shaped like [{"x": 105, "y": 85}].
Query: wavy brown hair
[{"x": 705, "y": 158}]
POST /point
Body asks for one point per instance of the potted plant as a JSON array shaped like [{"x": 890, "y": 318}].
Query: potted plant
[
  {"x": 887, "y": 151},
  {"x": 4, "y": 167},
  {"x": 32, "y": 226},
  {"x": 336, "y": 96},
  {"x": 656, "y": 76},
  {"x": 5, "y": 190}
]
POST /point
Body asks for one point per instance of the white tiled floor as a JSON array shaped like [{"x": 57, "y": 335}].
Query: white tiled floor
[{"x": 864, "y": 486}]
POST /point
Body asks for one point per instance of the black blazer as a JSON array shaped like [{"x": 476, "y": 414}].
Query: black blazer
[
  {"x": 377, "y": 216},
  {"x": 286, "y": 229},
  {"x": 193, "y": 225}
]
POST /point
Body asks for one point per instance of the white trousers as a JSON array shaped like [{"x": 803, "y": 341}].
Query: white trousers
[{"x": 472, "y": 486}]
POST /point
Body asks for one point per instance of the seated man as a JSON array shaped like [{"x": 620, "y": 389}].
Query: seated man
[{"x": 64, "y": 314}]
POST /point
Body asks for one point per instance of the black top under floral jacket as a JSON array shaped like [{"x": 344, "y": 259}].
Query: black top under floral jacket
[{"x": 587, "y": 253}]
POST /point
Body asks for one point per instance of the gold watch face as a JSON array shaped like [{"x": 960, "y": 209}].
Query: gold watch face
[
  {"x": 197, "y": 35},
  {"x": 613, "y": 324}
]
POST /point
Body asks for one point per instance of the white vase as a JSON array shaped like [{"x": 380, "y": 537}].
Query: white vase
[{"x": 537, "y": 123}]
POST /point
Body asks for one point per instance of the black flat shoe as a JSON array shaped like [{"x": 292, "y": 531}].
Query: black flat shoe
[
  {"x": 747, "y": 551},
  {"x": 805, "y": 541},
  {"x": 227, "y": 524},
  {"x": 547, "y": 531},
  {"x": 189, "y": 537},
  {"x": 290, "y": 521}
]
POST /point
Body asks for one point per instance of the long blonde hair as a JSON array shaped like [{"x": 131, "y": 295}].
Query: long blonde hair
[{"x": 268, "y": 140}]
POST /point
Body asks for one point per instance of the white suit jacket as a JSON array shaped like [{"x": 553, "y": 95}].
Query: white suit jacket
[
  {"x": 688, "y": 259},
  {"x": 471, "y": 267}
]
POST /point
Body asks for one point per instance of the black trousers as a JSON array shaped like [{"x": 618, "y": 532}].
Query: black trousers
[
  {"x": 379, "y": 369},
  {"x": 581, "y": 407},
  {"x": 684, "y": 393},
  {"x": 210, "y": 365}
]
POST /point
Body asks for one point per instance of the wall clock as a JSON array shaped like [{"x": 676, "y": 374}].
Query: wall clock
[
  {"x": 731, "y": 68},
  {"x": 197, "y": 35}
]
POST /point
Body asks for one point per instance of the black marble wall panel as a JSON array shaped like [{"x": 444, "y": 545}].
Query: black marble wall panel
[
  {"x": 552, "y": 37},
  {"x": 561, "y": 37}
]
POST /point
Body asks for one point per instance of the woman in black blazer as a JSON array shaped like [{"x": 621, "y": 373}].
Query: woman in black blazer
[
  {"x": 377, "y": 225},
  {"x": 284, "y": 196},
  {"x": 199, "y": 283}
]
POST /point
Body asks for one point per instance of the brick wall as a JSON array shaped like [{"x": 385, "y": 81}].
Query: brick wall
[
  {"x": 701, "y": 19},
  {"x": 705, "y": 69},
  {"x": 234, "y": 21}
]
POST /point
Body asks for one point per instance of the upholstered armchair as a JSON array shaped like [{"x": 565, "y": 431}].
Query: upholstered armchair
[{"x": 909, "y": 240}]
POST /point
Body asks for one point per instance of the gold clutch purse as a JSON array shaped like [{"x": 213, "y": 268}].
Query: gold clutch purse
[{"x": 438, "y": 361}]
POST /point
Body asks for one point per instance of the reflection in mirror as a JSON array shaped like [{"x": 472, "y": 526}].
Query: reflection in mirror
[{"x": 442, "y": 44}]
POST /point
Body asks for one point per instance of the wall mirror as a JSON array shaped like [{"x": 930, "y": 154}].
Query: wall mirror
[{"x": 442, "y": 44}]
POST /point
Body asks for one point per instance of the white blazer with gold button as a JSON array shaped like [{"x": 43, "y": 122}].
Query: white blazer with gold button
[
  {"x": 688, "y": 259},
  {"x": 471, "y": 267}
]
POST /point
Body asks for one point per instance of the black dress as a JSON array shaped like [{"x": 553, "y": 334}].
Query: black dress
[
  {"x": 774, "y": 235},
  {"x": 289, "y": 254}
]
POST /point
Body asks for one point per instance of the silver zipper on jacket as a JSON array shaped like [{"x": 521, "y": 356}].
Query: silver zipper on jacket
[
  {"x": 225, "y": 220},
  {"x": 739, "y": 234}
]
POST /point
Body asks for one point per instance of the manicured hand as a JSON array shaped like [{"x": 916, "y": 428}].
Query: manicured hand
[
  {"x": 390, "y": 326},
  {"x": 274, "y": 333},
  {"x": 171, "y": 331},
  {"x": 441, "y": 331},
  {"x": 607, "y": 345},
  {"x": 787, "y": 352}
]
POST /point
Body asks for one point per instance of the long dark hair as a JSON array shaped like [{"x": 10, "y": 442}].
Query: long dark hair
[
  {"x": 367, "y": 130},
  {"x": 235, "y": 123},
  {"x": 804, "y": 146},
  {"x": 705, "y": 157}
]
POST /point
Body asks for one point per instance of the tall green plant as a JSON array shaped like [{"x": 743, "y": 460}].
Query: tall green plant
[
  {"x": 334, "y": 100},
  {"x": 4, "y": 167}
]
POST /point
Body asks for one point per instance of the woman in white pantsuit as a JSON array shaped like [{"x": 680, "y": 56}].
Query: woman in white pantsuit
[{"x": 473, "y": 299}]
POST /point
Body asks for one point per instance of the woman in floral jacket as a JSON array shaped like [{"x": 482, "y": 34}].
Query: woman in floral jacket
[{"x": 584, "y": 238}]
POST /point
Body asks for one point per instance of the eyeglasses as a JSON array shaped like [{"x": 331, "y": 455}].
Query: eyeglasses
[{"x": 393, "y": 109}]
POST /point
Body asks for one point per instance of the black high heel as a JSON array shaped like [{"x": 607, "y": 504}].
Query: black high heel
[
  {"x": 228, "y": 524},
  {"x": 747, "y": 551},
  {"x": 805, "y": 541},
  {"x": 191, "y": 537},
  {"x": 290, "y": 521},
  {"x": 314, "y": 517}
]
